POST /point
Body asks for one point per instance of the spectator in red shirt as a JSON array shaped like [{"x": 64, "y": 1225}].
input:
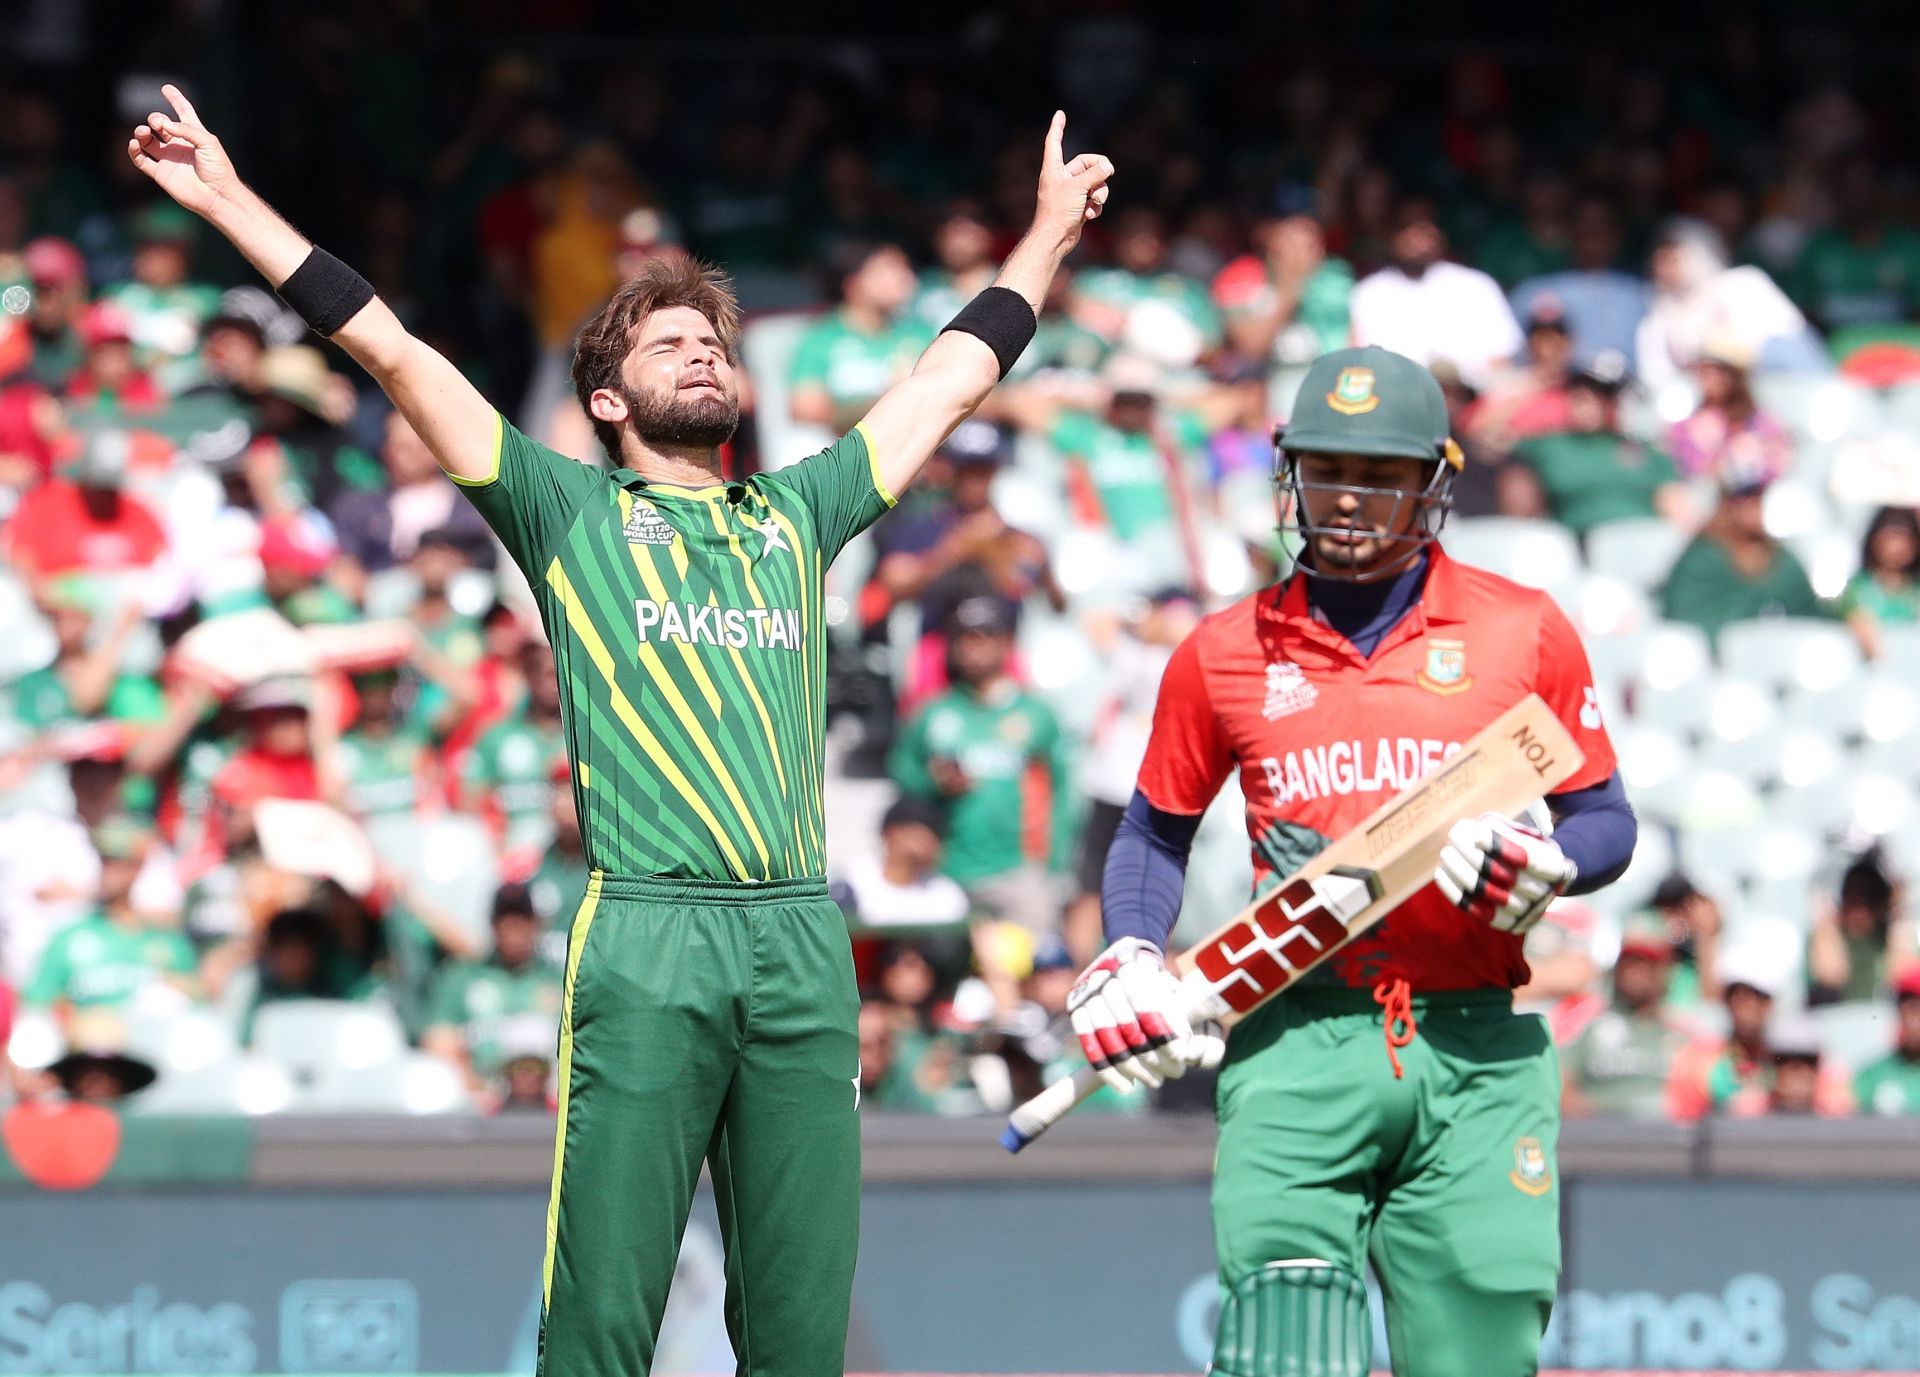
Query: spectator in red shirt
[
  {"x": 30, "y": 422},
  {"x": 277, "y": 760},
  {"x": 86, "y": 522},
  {"x": 110, "y": 379}
]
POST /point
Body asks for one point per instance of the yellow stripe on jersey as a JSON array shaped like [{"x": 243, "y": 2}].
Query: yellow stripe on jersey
[
  {"x": 873, "y": 465},
  {"x": 804, "y": 584},
  {"x": 630, "y": 718},
  {"x": 493, "y": 469},
  {"x": 576, "y": 944},
  {"x": 651, "y": 577},
  {"x": 732, "y": 538},
  {"x": 697, "y": 730}
]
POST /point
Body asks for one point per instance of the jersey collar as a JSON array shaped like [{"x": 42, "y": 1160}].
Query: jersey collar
[
  {"x": 633, "y": 478},
  {"x": 1443, "y": 600}
]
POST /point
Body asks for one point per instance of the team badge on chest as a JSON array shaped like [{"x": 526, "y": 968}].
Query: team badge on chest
[
  {"x": 1288, "y": 691},
  {"x": 1530, "y": 1174},
  {"x": 1446, "y": 668},
  {"x": 647, "y": 527}
]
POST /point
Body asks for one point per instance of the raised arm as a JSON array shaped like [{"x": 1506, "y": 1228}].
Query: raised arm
[
  {"x": 188, "y": 163},
  {"x": 961, "y": 367}
]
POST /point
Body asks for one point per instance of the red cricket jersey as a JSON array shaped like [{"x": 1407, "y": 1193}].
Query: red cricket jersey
[{"x": 1323, "y": 736}]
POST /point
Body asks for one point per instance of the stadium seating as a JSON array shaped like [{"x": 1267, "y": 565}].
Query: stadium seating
[
  {"x": 1638, "y": 551},
  {"x": 1538, "y": 554},
  {"x": 451, "y": 857},
  {"x": 1789, "y": 652},
  {"x": 403, "y": 1083},
  {"x": 247, "y": 1085},
  {"x": 312, "y": 1039}
]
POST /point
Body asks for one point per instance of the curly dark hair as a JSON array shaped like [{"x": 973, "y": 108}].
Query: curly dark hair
[{"x": 665, "y": 282}]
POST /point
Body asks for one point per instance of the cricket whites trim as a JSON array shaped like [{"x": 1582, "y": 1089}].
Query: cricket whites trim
[{"x": 1521, "y": 757}]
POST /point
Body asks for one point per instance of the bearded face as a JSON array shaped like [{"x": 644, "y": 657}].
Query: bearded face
[{"x": 702, "y": 414}]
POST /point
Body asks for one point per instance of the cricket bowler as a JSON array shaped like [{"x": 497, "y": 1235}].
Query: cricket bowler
[
  {"x": 1390, "y": 1106},
  {"x": 710, "y": 1004}
]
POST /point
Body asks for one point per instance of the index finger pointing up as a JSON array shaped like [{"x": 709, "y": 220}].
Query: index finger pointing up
[
  {"x": 181, "y": 105},
  {"x": 1056, "y": 133}
]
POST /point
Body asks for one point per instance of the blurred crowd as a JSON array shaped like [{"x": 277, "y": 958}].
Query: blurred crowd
[{"x": 279, "y": 730}]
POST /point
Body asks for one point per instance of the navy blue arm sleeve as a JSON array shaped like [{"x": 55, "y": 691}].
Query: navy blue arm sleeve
[
  {"x": 1596, "y": 829},
  {"x": 1146, "y": 872}
]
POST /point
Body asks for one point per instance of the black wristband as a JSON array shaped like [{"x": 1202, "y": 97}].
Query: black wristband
[
  {"x": 1001, "y": 319},
  {"x": 325, "y": 292}
]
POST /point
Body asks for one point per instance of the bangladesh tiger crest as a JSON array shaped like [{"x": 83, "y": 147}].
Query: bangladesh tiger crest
[
  {"x": 1446, "y": 669},
  {"x": 647, "y": 527},
  {"x": 1353, "y": 393},
  {"x": 1530, "y": 1175}
]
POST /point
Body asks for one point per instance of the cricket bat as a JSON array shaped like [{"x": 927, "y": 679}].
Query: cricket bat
[{"x": 1519, "y": 758}]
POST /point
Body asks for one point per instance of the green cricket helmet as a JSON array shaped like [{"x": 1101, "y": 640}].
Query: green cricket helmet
[{"x": 1374, "y": 402}]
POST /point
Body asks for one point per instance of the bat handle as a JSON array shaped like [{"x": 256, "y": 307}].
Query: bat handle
[{"x": 1047, "y": 1108}]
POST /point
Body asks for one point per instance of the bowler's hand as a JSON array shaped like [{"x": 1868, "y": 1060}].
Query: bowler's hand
[
  {"x": 1071, "y": 193},
  {"x": 182, "y": 157}
]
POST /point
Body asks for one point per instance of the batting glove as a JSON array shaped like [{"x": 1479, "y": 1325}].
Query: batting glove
[
  {"x": 1132, "y": 1022},
  {"x": 1501, "y": 872}
]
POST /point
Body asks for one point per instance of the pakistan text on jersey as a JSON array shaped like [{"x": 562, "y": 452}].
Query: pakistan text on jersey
[
  {"x": 1350, "y": 767},
  {"x": 765, "y": 628}
]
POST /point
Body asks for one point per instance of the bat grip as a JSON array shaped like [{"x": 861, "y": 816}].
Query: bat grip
[{"x": 1048, "y": 1108}]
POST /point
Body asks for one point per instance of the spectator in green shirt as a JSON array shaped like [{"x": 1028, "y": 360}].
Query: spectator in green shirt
[
  {"x": 1855, "y": 942},
  {"x": 509, "y": 774},
  {"x": 473, "y": 999},
  {"x": 1886, "y": 589},
  {"x": 1892, "y": 1084},
  {"x": 1140, "y": 302},
  {"x": 1733, "y": 569},
  {"x": 1129, "y": 472},
  {"x": 997, "y": 757},
  {"x": 1286, "y": 301},
  {"x": 1590, "y": 472},
  {"x": 107, "y": 960},
  {"x": 386, "y": 764},
  {"x": 57, "y": 276},
  {"x": 554, "y": 866},
  {"x": 963, "y": 246},
  {"x": 846, "y": 359},
  {"x": 84, "y": 683},
  {"x": 1865, "y": 268},
  {"x": 165, "y": 307},
  {"x": 1619, "y": 1062}
]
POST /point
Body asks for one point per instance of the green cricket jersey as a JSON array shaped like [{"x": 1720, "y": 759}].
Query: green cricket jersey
[
  {"x": 478, "y": 996},
  {"x": 1705, "y": 588},
  {"x": 1593, "y": 477},
  {"x": 1890, "y": 1086},
  {"x": 513, "y": 763},
  {"x": 1621, "y": 1061},
  {"x": 687, "y": 633},
  {"x": 40, "y": 699},
  {"x": 855, "y": 366},
  {"x": 383, "y": 772},
  {"x": 98, "y": 963},
  {"x": 1126, "y": 468},
  {"x": 1018, "y": 803}
]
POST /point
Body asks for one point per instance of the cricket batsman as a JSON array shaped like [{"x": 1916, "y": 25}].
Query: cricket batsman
[
  {"x": 1391, "y": 1105},
  {"x": 710, "y": 1003}
]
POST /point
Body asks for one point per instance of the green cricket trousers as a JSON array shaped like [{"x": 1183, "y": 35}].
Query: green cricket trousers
[
  {"x": 1442, "y": 1176},
  {"x": 704, "y": 1020}
]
